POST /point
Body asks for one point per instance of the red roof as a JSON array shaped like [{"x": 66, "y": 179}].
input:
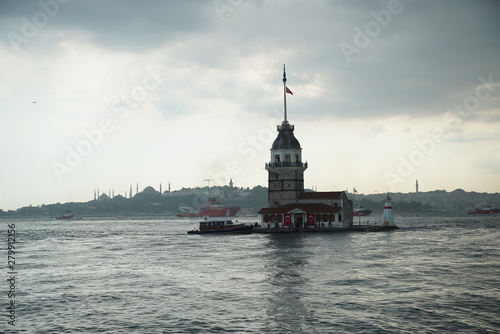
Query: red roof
[
  {"x": 306, "y": 207},
  {"x": 321, "y": 195}
]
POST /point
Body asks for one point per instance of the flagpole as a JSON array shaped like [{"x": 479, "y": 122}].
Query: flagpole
[{"x": 284, "y": 89}]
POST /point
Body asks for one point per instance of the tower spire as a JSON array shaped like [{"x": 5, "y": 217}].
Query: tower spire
[{"x": 284, "y": 90}]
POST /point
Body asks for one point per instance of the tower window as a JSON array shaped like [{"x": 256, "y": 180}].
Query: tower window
[
  {"x": 288, "y": 158},
  {"x": 297, "y": 158},
  {"x": 277, "y": 158}
]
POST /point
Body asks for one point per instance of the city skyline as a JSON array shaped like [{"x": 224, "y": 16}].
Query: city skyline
[{"x": 95, "y": 95}]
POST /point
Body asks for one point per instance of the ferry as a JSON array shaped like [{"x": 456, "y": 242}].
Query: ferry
[
  {"x": 360, "y": 211},
  {"x": 214, "y": 209},
  {"x": 484, "y": 209},
  {"x": 218, "y": 225}
]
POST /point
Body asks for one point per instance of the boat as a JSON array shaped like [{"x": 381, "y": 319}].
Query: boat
[
  {"x": 221, "y": 225},
  {"x": 484, "y": 209},
  {"x": 214, "y": 209},
  {"x": 360, "y": 211},
  {"x": 68, "y": 215}
]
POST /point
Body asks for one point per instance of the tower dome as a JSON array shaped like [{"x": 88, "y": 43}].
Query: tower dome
[{"x": 285, "y": 139}]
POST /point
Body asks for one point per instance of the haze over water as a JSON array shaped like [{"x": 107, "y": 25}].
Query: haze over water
[{"x": 435, "y": 274}]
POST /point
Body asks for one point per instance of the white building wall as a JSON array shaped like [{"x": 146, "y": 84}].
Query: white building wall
[{"x": 283, "y": 152}]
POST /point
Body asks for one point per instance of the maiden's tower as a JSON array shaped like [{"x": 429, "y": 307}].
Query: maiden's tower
[{"x": 289, "y": 206}]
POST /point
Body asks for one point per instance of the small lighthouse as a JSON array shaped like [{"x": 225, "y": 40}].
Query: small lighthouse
[{"x": 387, "y": 217}]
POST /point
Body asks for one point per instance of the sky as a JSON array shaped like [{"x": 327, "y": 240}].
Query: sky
[{"x": 111, "y": 94}]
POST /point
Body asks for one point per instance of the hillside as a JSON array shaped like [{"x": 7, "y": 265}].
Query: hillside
[
  {"x": 437, "y": 200},
  {"x": 151, "y": 202}
]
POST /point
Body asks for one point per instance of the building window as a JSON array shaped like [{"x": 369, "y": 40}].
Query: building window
[
  {"x": 288, "y": 158},
  {"x": 297, "y": 158},
  {"x": 277, "y": 158}
]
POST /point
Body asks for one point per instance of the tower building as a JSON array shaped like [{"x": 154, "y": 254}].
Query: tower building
[
  {"x": 288, "y": 204},
  {"x": 285, "y": 169}
]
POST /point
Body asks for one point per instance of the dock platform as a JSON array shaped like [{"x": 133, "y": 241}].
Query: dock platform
[{"x": 356, "y": 228}]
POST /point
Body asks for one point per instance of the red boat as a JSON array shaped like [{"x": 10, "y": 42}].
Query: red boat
[
  {"x": 360, "y": 211},
  {"x": 67, "y": 215},
  {"x": 214, "y": 209},
  {"x": 485, "y": 209}
]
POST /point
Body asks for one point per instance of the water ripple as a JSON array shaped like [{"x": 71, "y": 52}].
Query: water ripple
[{"x": 149, "y": 276}]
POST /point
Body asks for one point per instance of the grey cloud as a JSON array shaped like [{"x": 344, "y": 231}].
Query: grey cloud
[
  {"x": 126, "y": 25},
  {"x": 426, "y": 54}
]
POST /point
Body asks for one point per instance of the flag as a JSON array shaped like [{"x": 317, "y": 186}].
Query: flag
[
  {"x": 310, "y": 219},
  {"x": 355, "y": 191},
  {"x": 288, "y": 90},
  {"x": 288, "y": 219}
]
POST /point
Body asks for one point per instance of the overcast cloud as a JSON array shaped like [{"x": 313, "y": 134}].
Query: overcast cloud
[{"x": 152, "y": 92}]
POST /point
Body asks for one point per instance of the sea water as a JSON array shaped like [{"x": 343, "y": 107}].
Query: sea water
[{"x": 436, "y": 274}]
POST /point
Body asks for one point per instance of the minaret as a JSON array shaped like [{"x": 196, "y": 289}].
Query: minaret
[
  {"x": 387, "y": 217},
  {"x": 416, "y": 187},
  {"x": 285, "y": 169}
]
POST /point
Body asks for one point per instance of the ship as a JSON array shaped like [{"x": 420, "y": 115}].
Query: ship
[
  {"x": 484, "y": 209},
  {"x": 214, "y": 209},
  {"x": 68, "y": 215},
  {"x": 360, "y": 211}
]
